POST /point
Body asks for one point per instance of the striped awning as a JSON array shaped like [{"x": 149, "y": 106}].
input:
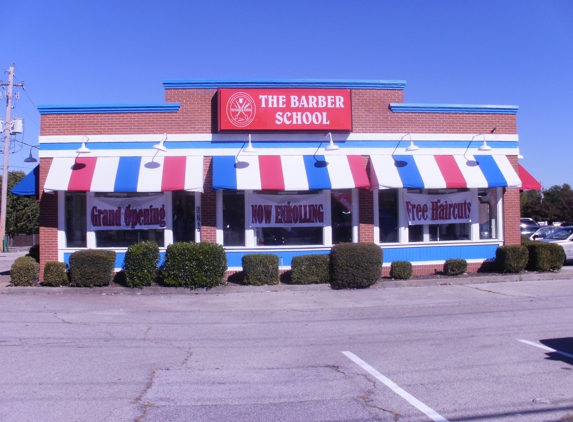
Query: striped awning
[
  {"x": 528, "y": 182},
  {"x": 442, "y": 171},
  {"x": 289, "y": 173},
  {"x": 126, "y": 174}
]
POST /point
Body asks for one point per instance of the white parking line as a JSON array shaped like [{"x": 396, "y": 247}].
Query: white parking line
[
  {"x": 432, "y": 414},
  {"x": 541, "y": 346}
]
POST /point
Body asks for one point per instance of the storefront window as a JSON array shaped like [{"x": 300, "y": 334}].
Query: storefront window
[
  {"x": 388, "y": 215},
  {"x": 448, "y": 206},
  {"x": 487, "y": 213},
  {"x": 291, "y": 218},
  {"x": 147, "y": 210},
  {"x": 183, "y": 206},
  {"x": 76, "y": 222},
  {"x": 233, "y": 218},
  {"x": 341, "y": 212}
]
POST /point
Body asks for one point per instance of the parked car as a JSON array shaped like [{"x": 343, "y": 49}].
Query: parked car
[
  {"x": 528, "y": 230},
  {"x": 543, "y": 232},
  {"x": 526, "y": 221},
  {"x": 563, "y": 237}
]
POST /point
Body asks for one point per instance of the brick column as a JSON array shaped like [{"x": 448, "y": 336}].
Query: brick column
[
  {"x": 512, "y": 211},
  {"x": 48, "y": 219},
  {"x": 365, "y": 210},
  {"x": 208, "y": 204}
]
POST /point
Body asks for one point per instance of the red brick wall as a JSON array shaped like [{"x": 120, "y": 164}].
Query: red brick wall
[
  {"x": 512, "y": 211},
  {"x": 366, "y": 210},
  {"x": 208, "y": 204},
  {"x": 48, "y": 220},
  {"x": 198, "y": 114}
]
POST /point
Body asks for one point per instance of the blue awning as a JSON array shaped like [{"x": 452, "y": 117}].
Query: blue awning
[{"x": 28, "y": 186}]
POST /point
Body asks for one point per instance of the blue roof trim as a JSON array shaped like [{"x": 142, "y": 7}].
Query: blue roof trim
[
  {"x": 282, "y": 83},
  {"x": 109, "y": 108},
  {"x": 453, "y": 108}
]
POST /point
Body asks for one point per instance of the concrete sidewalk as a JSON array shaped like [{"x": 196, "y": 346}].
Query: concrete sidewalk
[{"x": 6, "y": 260}]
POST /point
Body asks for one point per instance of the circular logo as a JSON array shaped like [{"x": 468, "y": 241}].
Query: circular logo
[{"x": 241, "y": 109}]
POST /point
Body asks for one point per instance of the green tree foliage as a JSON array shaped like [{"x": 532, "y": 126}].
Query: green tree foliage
[
  {"x": 553, "y": 204},
  {"x": 22, "y": 212}
]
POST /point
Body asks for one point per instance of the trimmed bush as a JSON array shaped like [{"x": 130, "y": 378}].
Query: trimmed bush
[
  {"x": 401, "y": 270},
  {"x": 261, "y": 269},
  {"x": 455, "y": 266},
  {"x": 511, "y": 258},
  {"x": 25, "y": 271},
  {"x": 34, "y": 252},
  {"x": 92, "y": 268},
  {"x": 194, "y": 265},
  {"x": 55, "y": 274},
  {"x": 140, "y": 264},
  {"x": 355, "y": 265},
  {"x": 310, "y": 269},
  {"x": 545, "y": 256}
]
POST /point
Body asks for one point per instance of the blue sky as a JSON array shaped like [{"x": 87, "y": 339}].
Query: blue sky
[{"x": 498, "y": 52}]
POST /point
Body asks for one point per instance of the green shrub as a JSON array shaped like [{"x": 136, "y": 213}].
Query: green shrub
[
  {"x": 34, "y": 252},
  {"x": 55, "y": 274},
  {"x": 92, "y": 267},
  {"x": 355, "y": 265},
  {"x": 401, "y": 270},
  {"x": 140, "y": 264},
  {"x": 261, "y": 269},
  {"x": 455, "y": 266},
  {"x": 194, "y": 265},
  {"x": 545, "y": 256},
  {"x": 310, "y": 269},
  {"x": 511, "y": 258},
  {"x": 25, "y": 271}
]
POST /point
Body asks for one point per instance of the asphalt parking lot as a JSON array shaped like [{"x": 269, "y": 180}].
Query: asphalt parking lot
[{"x": 466, "y": 352}]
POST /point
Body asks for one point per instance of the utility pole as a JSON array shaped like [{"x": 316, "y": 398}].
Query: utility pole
[{"x": 7, "y": 131}]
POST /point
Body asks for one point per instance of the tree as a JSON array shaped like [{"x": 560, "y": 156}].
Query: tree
[
  {"x": 22, "y": 212},
  {"x": 553, "y": 204}
]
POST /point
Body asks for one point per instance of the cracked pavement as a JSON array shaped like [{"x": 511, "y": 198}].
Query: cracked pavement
[{"x": 277, "y": 355}]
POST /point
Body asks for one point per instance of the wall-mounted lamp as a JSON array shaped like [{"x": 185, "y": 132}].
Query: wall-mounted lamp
[
  {"x": 410, "y": 147},
  {"x": 331, "y": 146},
  {"x": 250, "y": 147},
  {"x": 30, "y": 159},
  {"x": 160, "y": 146},
  {"x": 83, "y": 149},
  {"x": 485, "y": 146}
]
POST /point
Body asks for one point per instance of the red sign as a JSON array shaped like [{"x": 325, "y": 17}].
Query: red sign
[{"x": 285, "y": 109}]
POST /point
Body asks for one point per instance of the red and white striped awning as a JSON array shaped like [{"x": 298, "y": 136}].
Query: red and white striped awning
[
  {"x": 442, "y": 171},
  {"x": 289, "y": 173},
  {"x": 126, "y": 174}
]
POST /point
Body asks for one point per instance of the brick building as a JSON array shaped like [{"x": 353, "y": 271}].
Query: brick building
[{"x": 288, "y": 167}]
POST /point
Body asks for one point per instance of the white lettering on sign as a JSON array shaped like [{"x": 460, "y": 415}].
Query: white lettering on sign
[{"x": 297, "y": 118}]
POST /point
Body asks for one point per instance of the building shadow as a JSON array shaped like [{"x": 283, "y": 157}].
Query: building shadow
[{"x": 563, "y": 347}]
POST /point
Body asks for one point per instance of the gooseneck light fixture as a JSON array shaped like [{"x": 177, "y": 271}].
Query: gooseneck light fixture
[
  {"x": 250, "y": 147},
  {"x": 484, "y": 147},
  {"x": 83, "y": 149},
  {"x": 412, "y": 146},
  {"x": 161, "y": 145},
  {"x": 331, "y": 146},
  {"x": 30, "y": 159}
]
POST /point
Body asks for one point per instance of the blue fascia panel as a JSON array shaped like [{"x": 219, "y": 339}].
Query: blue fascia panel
[
  {"x": 283, "y": 83},
  {"x": 109, "y": 108},
  {"x": 439, "y": 253},
  {"x": 119, "y": 258},
  {"x": 453, "y": 108},
  {"x": 234, "y": 258}
]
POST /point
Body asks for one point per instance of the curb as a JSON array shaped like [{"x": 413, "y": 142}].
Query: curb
[{"x": 234, "y": 288}]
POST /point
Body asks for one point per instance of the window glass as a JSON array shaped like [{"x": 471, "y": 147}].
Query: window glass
[
  {"x": 286, "y": 234},
  {"x": 341, "y": 212},
  {"x": 76, "y": 221},
  {"x": 233, "y": 218},
  {"x": 183, "y": 206},
  {"x": 388, "y": 215},
  {"x": 487, "y": 213},
  {"x": 125, "y": 238}
]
